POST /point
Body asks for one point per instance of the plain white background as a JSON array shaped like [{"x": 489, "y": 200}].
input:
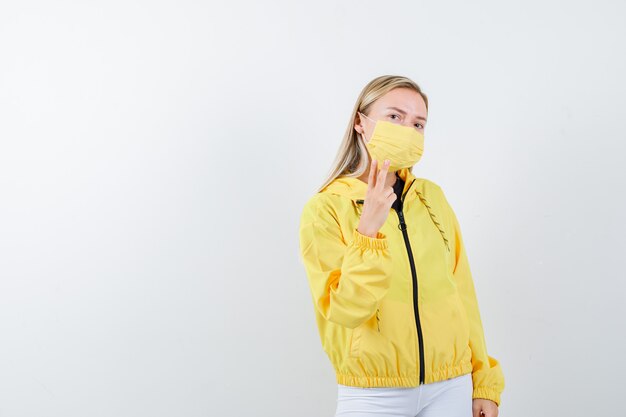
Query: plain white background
[{"x": 155, "y": 157}]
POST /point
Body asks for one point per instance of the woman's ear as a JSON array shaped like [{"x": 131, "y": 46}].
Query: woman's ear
[{"x": 357, "y": 124}]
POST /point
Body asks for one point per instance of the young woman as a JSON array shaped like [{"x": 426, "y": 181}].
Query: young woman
[{"x": 389, "y": 276}]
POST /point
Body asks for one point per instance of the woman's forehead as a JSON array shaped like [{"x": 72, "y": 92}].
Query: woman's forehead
[
  {"x": 402, "y": 96},
  {"x": 407, "y": 102}
]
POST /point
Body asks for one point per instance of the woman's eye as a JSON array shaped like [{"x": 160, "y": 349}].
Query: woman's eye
[
  {"x": 394, "y": 115},
  {"x": 418, "y": 125}
]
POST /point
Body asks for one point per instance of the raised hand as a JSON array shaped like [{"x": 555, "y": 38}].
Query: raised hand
[{"x": 378, "y": 200}]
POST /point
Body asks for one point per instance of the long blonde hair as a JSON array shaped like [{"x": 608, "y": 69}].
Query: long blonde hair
[{"x": 352, "y": 159}]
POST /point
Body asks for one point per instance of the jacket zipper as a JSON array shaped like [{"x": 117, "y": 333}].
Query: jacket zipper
[{"x": 402, "y": 226}]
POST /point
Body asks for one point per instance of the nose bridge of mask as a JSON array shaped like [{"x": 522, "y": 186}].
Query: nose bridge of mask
[
  {"x": 392, "y": 132},
  {"x": 395, "y": 132}
]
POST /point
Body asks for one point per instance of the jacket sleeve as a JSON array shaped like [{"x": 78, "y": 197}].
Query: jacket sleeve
[
  {"x": 348, "y": 276},
  {"x": 487, "y": 375}
]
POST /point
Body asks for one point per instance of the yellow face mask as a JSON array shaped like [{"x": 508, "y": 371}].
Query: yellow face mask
[{"x": 402, "y": 145}]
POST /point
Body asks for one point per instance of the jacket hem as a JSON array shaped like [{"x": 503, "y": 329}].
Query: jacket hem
[
  {"x": 403, "y": 381},
  {"x": 449, "y": 372}
]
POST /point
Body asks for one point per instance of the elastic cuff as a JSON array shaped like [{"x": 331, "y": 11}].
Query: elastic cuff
[
  {"x": 487, "y": 393},
  {"x": 378, "y": 242}
]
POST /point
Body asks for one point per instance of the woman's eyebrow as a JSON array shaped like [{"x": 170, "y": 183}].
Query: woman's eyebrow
[{"x": 404, "y": 113}]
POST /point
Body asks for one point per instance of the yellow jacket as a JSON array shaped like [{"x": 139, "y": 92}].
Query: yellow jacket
[{"x": 400, "y": 309}]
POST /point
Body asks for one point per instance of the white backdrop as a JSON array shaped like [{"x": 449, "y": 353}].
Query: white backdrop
[{"x": 155, "y": 158}]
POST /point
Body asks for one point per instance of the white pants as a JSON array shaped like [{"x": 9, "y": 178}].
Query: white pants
[{"x": 449, "y": 398}]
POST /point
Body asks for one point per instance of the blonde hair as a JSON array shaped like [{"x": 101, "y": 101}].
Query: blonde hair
[{"x": 352, "y": 159}]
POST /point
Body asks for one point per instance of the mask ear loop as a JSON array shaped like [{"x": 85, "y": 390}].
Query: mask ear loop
[
  {"x": 367, "y": 117},
  {"x": 362, "y": 135}
]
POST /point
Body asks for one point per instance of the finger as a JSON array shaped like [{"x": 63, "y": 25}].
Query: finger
[
  {"x": 382, "y": 174},
  {"x": 371, "y": 180}
]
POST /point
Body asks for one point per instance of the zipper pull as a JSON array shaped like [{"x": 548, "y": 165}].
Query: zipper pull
[{"x": 402, "y": 225}]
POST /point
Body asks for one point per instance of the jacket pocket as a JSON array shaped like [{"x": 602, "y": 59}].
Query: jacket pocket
[
  {"x": 355, "y": 342},
  {"x": 451, "y": 278}
]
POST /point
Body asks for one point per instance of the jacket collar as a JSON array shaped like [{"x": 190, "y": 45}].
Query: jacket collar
[{"x": 356, "y": 189}]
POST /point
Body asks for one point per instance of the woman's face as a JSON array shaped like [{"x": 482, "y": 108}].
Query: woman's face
[{"x": 401, "y": 106}]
